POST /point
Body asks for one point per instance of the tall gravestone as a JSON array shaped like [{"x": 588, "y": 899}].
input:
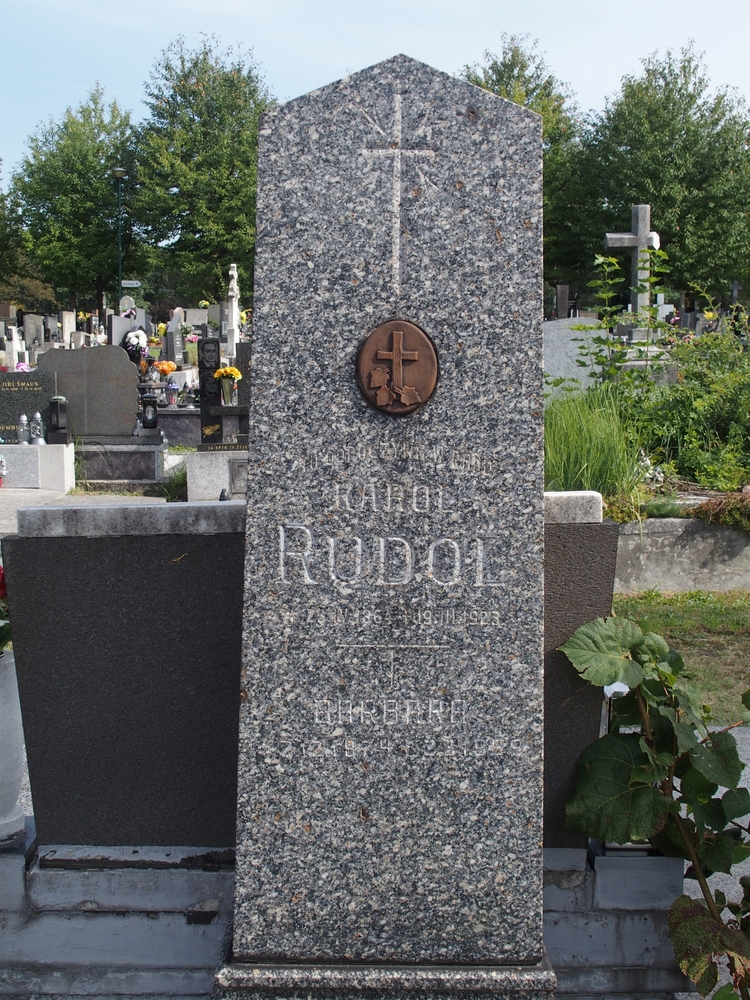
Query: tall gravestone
[{"x": 390, "y": 775}]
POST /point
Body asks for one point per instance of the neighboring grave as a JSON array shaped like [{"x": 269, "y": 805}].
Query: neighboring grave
[
  {"x": 24, "y": 392},
  {"x": 209, "y": 359},
  {"x": 173, "y": 345},
  {"x": 391, "y": 728},
  {"x": 196, "y": 317},
  {"x": 233, "y": 312},
  {"x": 638, "y": 241},
  {"x": 100, "y": 386},
  {"x": 68, "y": 324},
  {"x": 33, "y": 328}
]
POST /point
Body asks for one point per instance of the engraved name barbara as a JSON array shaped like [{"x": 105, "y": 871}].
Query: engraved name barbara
[{"x": 307, "y": 557}]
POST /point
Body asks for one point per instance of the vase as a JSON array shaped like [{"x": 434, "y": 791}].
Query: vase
[{"x": 227, "y": 388}]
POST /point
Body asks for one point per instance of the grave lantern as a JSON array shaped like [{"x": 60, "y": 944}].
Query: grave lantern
[
  {"x": 22, "y": 431},
  {"x": 150, "y": 413},
  {"x": 58, "y": 421},
  {"x": 36, "y": 429},
  {"x": 58, "y": 413}
]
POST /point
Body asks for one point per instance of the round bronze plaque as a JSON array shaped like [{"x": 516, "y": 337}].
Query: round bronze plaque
[{"x": 397, "y": 368}]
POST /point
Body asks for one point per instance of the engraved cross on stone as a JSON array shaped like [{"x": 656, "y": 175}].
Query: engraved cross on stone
[
  {"x": 398, "y": 355},
  {"x": 395, "y": 149},
  {"x": 637, "y": 242}
]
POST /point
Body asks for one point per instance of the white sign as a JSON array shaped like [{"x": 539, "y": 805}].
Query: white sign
[{"x": 131, "y": 284}]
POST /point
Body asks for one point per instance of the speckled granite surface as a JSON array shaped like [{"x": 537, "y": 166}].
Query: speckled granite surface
[
  {"x": 382, "y": 982},
  {"x": 390, "y": 776}
]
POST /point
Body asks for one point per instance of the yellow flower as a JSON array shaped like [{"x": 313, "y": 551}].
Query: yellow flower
[
  {"x": 229, "y": 372},
  {"x": 161, "y": 329}
]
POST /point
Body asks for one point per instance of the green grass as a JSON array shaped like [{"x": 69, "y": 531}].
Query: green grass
[
  {"x": 586, "y": 445},
  {"x": 712, "y": 633}
]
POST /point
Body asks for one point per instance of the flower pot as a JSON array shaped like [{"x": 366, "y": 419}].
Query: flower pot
[{"x": 227, "y": 389}]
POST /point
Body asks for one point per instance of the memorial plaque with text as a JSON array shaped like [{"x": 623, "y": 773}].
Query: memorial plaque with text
[{"x": 390, "y": 776}]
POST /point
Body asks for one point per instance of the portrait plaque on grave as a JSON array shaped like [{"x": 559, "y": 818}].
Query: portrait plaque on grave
[
  {"x": 209, "y": 359},
  {"x": 391, "y": 724}
]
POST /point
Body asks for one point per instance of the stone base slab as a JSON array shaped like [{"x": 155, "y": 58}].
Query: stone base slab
[
  {"x": 242, "y": 981},
  {"x": 39, "y": 467}
]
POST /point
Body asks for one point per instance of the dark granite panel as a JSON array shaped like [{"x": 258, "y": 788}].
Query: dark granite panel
[
  {"x": 579, "y": 573},
  {"x": 103, "y": 463},
  {"x": 24, "y": 392},
  {"x": 128, "y": 655}
]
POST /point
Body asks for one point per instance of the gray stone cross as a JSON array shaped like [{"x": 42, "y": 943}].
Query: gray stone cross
[
  {"x": 394, "y": 149},
  {"x": 637, "y": 241}
]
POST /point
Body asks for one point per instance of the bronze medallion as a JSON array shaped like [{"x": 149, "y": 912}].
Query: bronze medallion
[{"x": 397, "y": 368}]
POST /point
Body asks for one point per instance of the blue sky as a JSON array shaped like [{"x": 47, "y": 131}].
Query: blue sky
[{"x": 56, "y": 51}]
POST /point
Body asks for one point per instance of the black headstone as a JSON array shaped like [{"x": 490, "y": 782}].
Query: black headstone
[
  {"x": 24, "y": 392},
  {"x": 209, "y": 358}
]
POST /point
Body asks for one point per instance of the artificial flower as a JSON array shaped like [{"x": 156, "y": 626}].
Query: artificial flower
[{"x": 229, "y": 372}]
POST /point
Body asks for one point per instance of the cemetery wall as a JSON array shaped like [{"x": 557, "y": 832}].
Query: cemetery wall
[{"x": 681, "y": 554}]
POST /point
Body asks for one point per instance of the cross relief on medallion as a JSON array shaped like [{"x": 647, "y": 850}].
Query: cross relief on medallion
[{"x": 395, "y": 149}]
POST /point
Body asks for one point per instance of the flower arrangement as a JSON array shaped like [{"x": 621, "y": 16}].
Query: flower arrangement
[
  {"x": 165, "y": 367},
  {"x": 21, "y": 366},
  {"x": 136, "y": 340},
  {"x": 193, "y": 338},
  {"x": 204, "y": 304},
  {"x": 228, "y": 372},
  {"x": 161, "y": 329}
]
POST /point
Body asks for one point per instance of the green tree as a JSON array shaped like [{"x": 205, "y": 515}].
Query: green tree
[
  {"x": 10, "y": 236},
  {"x": 67, "y": 198},
  {"x": 198, "y": 160},
  {"x": 667, "y": 140},
  {"x": 521, "y": 75}
]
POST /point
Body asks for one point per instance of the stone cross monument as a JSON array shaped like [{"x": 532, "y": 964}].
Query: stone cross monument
[
  {"x": 390, "y": 775},
  {"x": 233, "y": 312},
  {"x": 637, "y": 241}
]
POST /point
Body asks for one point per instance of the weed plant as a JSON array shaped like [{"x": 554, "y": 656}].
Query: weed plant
[{"x": 586, "y": 444}]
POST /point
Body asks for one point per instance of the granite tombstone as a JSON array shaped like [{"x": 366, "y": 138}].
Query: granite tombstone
[
  {"x": 24, "y": 392},
  {"x": 100, "y": 387},
  {"x": 391, "y": 728}
]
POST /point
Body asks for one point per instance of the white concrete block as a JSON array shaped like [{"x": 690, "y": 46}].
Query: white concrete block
[
  {"x": 573, "y": 507},
  {"x": 210, "y": 472},
  {"x": 57, "y": 467},
  {"x": 39, "y": 467}
]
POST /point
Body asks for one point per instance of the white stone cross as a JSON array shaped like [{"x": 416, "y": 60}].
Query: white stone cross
[
  {"x": 637, "y": 241},
  {"x": 395, "y": 150}
]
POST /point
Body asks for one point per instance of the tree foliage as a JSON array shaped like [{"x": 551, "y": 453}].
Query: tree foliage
[
  {"x": 521, "y": 75},
  {"x": 10, "y": 235},
  {"x": 67, "y": 197},
  {"x": 668, "y": 140},
  {"x": 198, "y": 159}
]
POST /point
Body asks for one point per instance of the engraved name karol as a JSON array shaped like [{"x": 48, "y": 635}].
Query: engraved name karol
[
  {"x": 391, "y": 498},
  {"x": 435, "y": 712},
  {"x": 390, "y": 561}
]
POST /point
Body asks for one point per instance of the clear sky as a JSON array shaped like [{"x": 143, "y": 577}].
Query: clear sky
[{"x": 57, "y": 50}]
